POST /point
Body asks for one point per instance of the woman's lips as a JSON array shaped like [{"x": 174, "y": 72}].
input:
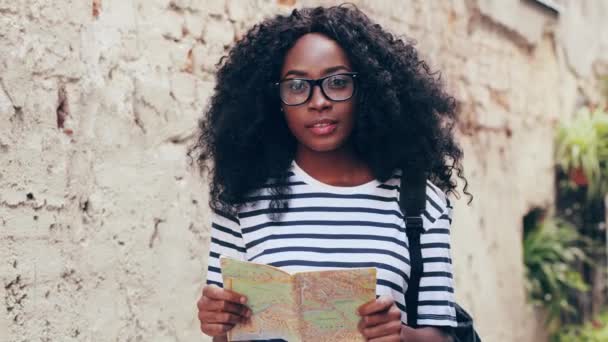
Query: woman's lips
[{"x": 323, "y": 128}]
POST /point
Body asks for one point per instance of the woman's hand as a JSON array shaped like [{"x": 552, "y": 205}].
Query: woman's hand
[
  {"x": 220, "y": 310},
  {"x": 380, "y": 320}
]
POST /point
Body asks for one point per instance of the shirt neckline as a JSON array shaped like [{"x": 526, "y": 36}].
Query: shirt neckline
[{"x": 310, "y": 180}]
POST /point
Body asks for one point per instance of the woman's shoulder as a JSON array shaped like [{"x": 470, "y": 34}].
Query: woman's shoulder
[
  {"x": 437, "y": 194},
  {"x": 438, "y": 204},
  {"x": 433, "y": 192}
]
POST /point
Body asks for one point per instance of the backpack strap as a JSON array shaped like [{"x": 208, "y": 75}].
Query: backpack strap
[{"x": 412, "y": 200}]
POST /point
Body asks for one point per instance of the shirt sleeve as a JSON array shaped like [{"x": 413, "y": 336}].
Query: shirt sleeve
[
  {"x": 226, "y": 240},
  {"x": 436, "y": 292}
]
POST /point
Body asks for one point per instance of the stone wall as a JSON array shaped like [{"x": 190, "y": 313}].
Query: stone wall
[{"x": 104, "y": 224}]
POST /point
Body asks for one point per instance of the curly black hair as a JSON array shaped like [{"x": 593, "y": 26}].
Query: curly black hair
[{"x": 404, "y": 118}]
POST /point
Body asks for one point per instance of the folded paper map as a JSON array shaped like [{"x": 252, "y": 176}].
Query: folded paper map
[{"x": 304, "y": 306}]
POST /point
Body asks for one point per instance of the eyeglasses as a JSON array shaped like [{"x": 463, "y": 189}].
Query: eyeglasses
[{"x": 337, "y": 87}]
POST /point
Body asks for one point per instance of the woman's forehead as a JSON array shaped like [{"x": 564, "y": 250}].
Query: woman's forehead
[{"x": 314, "y": 53}]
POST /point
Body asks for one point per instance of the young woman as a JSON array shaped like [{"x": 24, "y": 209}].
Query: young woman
[{"x": 314, "y": 117}]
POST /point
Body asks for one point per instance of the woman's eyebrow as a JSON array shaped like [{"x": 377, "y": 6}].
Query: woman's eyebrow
[
  {"x": 296, "y": 73},
  {"x": 336, "y": 68},
  {"x": 326, "y": 71}
]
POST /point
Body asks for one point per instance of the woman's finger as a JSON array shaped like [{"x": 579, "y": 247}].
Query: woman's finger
[
  {"x": 215, "y": 329},
  {"x": 386, "y": 329},
  {"x": 380, "y": 304},
  {"x": 220, "y": 317},
  {"x": 226, "y": 306},
  {"x": 218, "y": 293},
  {"x": 392, "y": 338},
  {"x": 392, "y": 314}
]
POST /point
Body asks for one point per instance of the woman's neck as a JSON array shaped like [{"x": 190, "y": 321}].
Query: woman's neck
[{"x": 340, "y": 167}]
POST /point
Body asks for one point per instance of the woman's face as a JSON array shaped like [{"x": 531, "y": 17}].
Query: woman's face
[{"x": 319, "y": 124}]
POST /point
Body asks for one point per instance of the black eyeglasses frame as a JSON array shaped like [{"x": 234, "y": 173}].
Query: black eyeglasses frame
[{"x": 319, "y": 82}]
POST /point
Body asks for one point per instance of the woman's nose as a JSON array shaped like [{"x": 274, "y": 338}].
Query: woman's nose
[{"x": 318, "y": 100}]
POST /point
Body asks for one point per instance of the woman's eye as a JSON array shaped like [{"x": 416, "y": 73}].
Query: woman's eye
[
  {"x": 297, "y": 85},
  {"x": 338, "y": 82}
]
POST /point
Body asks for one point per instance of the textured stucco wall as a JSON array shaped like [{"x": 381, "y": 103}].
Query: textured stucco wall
[{"x": 103, "y": 223}]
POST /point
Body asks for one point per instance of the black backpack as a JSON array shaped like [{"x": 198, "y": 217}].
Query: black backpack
[{"x": 412, "y": 202}]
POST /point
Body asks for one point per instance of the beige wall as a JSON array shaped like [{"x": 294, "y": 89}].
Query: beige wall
[{"x": 103, "y": 225}]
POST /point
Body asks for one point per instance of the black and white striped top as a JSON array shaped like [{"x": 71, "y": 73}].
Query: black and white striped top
[{"x": 329, "y": 227}]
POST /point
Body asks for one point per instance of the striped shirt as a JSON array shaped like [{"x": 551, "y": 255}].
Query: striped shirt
[{"x": 333, "y": 227}]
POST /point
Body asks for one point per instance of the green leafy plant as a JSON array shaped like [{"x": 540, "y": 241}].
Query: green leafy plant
[
  {"x": 582, "y": 159},
  {"x": 551, "y": 251},
  {"x": 582, "y": 150},
  {"x": 594, "y": 331}
]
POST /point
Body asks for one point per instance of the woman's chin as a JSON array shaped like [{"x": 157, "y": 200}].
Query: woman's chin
[{"x": 322, "y": 147}]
